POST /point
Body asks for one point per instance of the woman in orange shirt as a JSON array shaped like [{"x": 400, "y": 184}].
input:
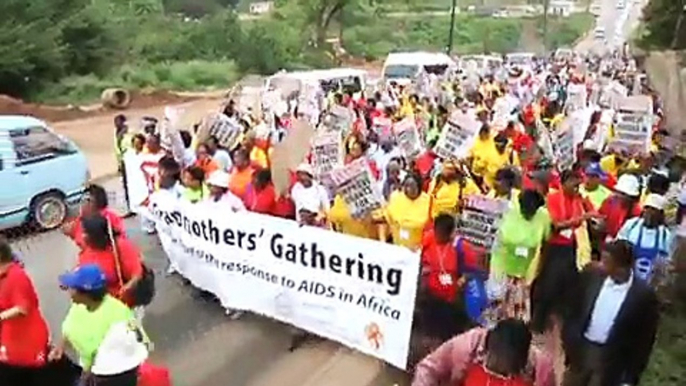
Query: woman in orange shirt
[
  {"x": 241, "y": 173},
  {"x": 204, "y": 160}
]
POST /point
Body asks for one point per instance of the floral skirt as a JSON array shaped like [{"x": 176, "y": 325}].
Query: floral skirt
[{"x": 509, "y": 298}]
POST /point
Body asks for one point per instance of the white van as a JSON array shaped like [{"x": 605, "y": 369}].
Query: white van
[
  {"x": 404, "y": 67},
  {"x": 520, "y": 59}
]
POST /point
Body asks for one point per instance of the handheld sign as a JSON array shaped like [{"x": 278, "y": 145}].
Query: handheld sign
[
  {"x": 631, "y": 134},
  {"x": 457, "y": 136},
  {"x": 407, "y": 137},
  {"x": 480, "y": 219},
  {"x": 563, "y": 145},
  {"x": 327, "y": 152},
  {"x": 356, "y": 185}
]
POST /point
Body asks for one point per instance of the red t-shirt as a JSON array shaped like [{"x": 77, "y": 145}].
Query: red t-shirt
[
  {"x": 425, "y": 163},
  {"x": 117, "y": 224},
  {"x": 24, "y": 338},
  {"x": 477, "y": 375},
  {"x": 263, "y": 201},
  {"x": 562, "y": 208},
  {"x": 438, "y": 260},
  {"x": 616, "y": 215},
  {"x": 129, "y": 258}
]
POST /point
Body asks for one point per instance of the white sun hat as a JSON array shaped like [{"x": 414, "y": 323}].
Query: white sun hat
[
  {"x": 219, "y": 178},
  {"x": 655, "y": 201},
  {"x": 629, "y": 185}
]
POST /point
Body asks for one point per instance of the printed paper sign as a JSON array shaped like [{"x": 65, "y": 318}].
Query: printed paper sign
[
  {"x": 480, "y": 219},
  {"x": 576, "y": 97},
  {"x": 407, "y": 138},
  {"x": 340, "y": 119},
  {"x": 355, "y": 291},
  {"x": 563, "y": 145},
  {"x": 142, "y": 178},
  {"x": 457, "y": 136},
  {"x": 327, "y": 152},
  {"x": 631, "y": 134},
  {"x": 355, "y": 183}
]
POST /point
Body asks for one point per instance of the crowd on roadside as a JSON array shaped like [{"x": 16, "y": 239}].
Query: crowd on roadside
[{"x": 580, "y": 254}]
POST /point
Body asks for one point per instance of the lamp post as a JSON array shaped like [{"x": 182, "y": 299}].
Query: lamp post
[{"x": 452, "y": 27}]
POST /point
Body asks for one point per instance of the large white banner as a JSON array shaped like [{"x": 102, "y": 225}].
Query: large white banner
[{"x": 358, "y": 292}]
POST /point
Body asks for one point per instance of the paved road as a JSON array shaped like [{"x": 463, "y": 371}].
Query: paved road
[
  {"x": 193, "y": 337},
  {"x": 619, "y": 24}
]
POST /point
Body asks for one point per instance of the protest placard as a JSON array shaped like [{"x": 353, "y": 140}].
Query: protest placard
[
  {"x": 407, "y": 138},
  {"x": 612, "y": 95},
  {"x": 638, "y": 104},
  {"x": 327, "y": 152},
  {"x": 576, "y": 97},
  {"x": 142, "y": 178},
  {"x": 332, "y": 285},
  {"x": 382, "y": 126},
  {"x": 457, "y": 136},
  {"x": 480, "y": 219},
  {"x": 631, "y": 134},
  {"x": 289, "y": 153},
  {"x": 340, "y": 118},
  {"x": 563, "y": 145},
  {"x": 356, "y": 185}
]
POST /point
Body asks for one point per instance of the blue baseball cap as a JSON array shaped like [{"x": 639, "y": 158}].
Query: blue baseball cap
[
  {"x": 88, "y": 277},
  {"x": 594, "y": 170}
]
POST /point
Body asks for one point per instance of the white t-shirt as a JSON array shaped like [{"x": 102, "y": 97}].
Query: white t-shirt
[
  {"x": 313, "y": 197},
  {"x": 228, "y": 199},
  {"x": 120, "y": 350}
]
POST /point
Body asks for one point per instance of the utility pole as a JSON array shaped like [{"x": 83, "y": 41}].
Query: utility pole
[
  {"x": 452, "y": 27},
  {"x": 546, "y": 6}
]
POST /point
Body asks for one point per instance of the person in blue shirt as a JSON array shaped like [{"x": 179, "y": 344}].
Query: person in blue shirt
[{"x": 651, "y": 238}]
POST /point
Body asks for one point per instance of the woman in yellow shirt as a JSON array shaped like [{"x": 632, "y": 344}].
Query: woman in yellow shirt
[
  {"x": 479, "y": 151},
  {"x": 339, "y": 215},
  {"x": 448, "y": 189},
  {"x": 407, "y": 213},
  {"x": 497, "y": 157}
]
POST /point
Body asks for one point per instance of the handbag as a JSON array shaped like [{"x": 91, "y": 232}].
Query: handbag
[
  {"x": 144, "y": 291},
  {"x": 153, "y": 375}
]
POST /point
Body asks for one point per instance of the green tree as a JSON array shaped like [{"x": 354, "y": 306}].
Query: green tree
[{"x": 663, "y": 24}]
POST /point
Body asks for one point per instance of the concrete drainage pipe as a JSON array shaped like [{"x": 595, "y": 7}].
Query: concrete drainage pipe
[{"x": 116, "y": 98}]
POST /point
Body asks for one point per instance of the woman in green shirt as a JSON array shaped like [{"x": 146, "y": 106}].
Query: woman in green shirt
[
  {"x": 522, "y": 234},
  {"x": 102, "y": 331}
]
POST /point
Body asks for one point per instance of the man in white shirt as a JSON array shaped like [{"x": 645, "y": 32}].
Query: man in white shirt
[
  {"x": 219, "y": 155},
  {"x": 609, "y": 335},
  {"x": 308, "y": 193}
]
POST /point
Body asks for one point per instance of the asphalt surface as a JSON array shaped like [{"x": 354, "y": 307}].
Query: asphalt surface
[{"x": 192, "y": 336}]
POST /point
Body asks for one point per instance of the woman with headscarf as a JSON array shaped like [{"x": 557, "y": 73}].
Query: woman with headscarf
[
  {"x": 103, "y": 331},
  {"x": 502, "y": 356},
  {"x": 23, "y": 330},
  {"x": 308, "y": 193},
  {"x": 449, "y": 188},
  {"x": 651, "y": 238},
  {"x": 117, "y": 256},
  {"x": 219, "y": 193},
  {"x": 407, "y": 213},
  {"x": 522, "y": 234}
]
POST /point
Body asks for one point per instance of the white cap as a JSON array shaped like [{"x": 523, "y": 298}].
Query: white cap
[
  {"x": 629, "y": 185},
  {"x": 305, "y": 168},
  {"x": 589, "y": 145},
  {"x": 655, "y": 201},
  {"x": 219, "y": 178}
]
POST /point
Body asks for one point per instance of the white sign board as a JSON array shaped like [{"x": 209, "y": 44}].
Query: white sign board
[
  {"x": 457, "y": 136},
  {"x": 480, "y": 219},
  {"x": 407, "y": 137},
  {"x": 356, "y": 185},
  {"x": 631, "y": 133},
  {"x": 563, "y": 145},
  {"x": 355, "y": 291},
  {"x": 142, "y": 178},
  {"x": 327, "y": 152}
]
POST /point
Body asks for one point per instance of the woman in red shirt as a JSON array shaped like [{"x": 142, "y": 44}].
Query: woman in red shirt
[
  {"x": 555, "y": 287},
  {"x": 122, "y": 266},
  {"x": 261, "y": 195},
  {"x": 96, "y": 202},
  {"x": 441, "y": 279},
  {"x": 23, "y": 330}
]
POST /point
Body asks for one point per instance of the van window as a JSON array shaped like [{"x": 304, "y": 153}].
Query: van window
[
  {"x": 436, "y": 69},
  {"x": 351, "y": 84},
  {"x": 34, "y": 144},
  {"x": 396, "y": 71}
]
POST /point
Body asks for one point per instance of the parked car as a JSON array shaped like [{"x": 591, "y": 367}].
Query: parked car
[{"x": 42, "y": 174}]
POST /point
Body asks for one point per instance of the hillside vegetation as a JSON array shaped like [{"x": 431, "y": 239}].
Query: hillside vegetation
[{"x": 68, "y": 51}]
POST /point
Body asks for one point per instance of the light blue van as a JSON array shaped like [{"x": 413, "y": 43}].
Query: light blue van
[{"x": 42, "y": 174}]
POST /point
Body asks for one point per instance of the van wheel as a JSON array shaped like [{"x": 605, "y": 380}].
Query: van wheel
[{"x": 49, "y": 211}]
